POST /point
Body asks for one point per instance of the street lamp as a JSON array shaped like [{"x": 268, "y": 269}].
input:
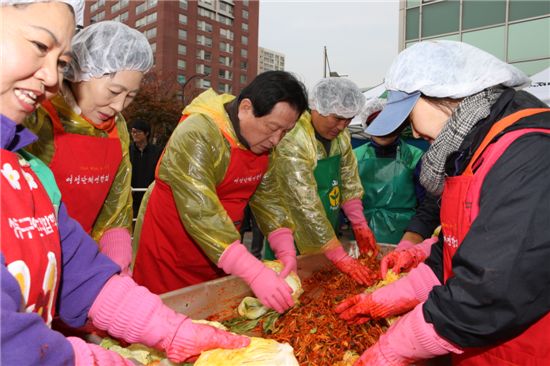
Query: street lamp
[{"x": 187, "y": 82}]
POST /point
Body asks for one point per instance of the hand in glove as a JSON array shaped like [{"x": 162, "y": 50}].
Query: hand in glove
[
  {"x": 117, "y": 245},
  {"x": 394, "y": 299},
  {"x": 86, "y": 354},
  {"x": 132, "y": 313},
  {"x": 282, "y": 243},
  {"x": 270, "y": 289},
  {"x": 403, "y": 260},
  {"x": 352, "y": 267},
  {"x": 363, "y": 234},
  {"x": 410, "y": 339}
]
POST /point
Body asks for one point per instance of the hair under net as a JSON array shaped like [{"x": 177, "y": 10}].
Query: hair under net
[
  {"x": 372, "y": 105},
  {"x": 77, "y": 5},
  {"x": 108, "y": 47},
  {"x": 449, "y": 69},
  {"x": 336, "y": 96}
]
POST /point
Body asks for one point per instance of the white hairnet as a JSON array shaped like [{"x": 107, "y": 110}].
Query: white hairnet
[
  {"x": 372, "y": 105},
  {"x": 336, "y": 96},
  {"x": 77, "y": 5},
  {"x": 107, "y": 47},
  {"x": 449, "y": 69}
]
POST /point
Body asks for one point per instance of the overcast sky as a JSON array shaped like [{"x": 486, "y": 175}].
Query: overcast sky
[{"x": 361, "y": 37}]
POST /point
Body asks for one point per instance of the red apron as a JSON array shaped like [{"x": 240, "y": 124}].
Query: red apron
[
  {"x": 168, "y": 257},
  {"x": 30, "y": 237},
  {"x": 84, "y": 168},
  {"x": 459, "y": 208}
]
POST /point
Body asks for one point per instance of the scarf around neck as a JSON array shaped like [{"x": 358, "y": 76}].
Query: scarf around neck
[{"x": 470, "y": 111}]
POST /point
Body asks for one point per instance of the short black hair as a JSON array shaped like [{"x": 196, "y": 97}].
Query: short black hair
[
  {"x": 141, "y": 125},
  {"x": 272, "y": 87}
]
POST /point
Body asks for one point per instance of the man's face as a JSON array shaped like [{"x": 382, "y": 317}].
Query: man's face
[
  {"x": 138, "y": 136},
  {"x": 329, "y": 127},
  {"x": 263, "y": 133}
]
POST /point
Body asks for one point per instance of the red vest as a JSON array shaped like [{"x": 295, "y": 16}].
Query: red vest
[
  {"x": 168, "y": 257},
  {"x": 84, "y": 168},
  {"x": 30, "y": 237},
  {"x": 459, "y": 208}
]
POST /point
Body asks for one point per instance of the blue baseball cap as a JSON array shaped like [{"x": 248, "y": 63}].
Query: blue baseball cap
[{"x": 397, "y": 109}]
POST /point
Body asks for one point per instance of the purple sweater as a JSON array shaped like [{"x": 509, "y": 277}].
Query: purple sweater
[{"x": 26, "y": 340}]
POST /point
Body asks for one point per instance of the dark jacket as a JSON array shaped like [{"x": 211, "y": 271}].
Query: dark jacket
[
  {"x": 502, "y": 273},
  {"x": 143, "y": 164}
]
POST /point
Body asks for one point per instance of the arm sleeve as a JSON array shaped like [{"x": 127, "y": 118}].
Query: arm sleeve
[
  {"x": 501, "y": 269},
  {"x": 85, "y": 271},
  {"x": 426, "y": 219},
  {"x": 194, "y": 163},
  {"x": 26, "y": 340},
  {"x": 267, "y": 203},
  {"x": 351, "y": 183},
  {"x": 117, "y": 210},
  {"x": 419, "y": 190},
  {"x": 295, "y": 160}
]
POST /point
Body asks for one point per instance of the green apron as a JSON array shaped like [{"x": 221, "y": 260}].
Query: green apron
[
  {"x": 329, "y": 185},
  {"x": 390, "y": 200}
]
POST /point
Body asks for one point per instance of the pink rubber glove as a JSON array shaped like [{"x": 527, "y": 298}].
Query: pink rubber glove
[
  {"x": 269, "y": 288},
  {"x": 352, "y": 267},
  {"x": 361, "y": 231},
  {"x": 86, "y": 354},
  {"x": 132, "y": 313},
  {"x": 410, "y": 339},
  {"x": 405, "y": 244},
  {"x": 282, "y": 243},
  {"x": 394, "y": 299},
  {"x": 117, "y": 245},
  {"x": 403, "y": 260}
]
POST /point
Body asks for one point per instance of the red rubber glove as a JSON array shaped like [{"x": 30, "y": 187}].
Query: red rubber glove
[
  {"x": 363, "y": 234},
  {"x": 394, "y": 299},
  {"x": 409, "y": 340},
  {"x": 132, "y": 313},
  {"x": 403, "y": 260},
  {"x": 86, "y": 354},
  {"x": 352, "y": 267},
  {"x": 282, "y": 243},
  {"x": 269, "y": 288}
]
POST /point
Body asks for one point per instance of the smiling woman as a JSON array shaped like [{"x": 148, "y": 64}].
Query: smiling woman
[{"x": 84, "y": 138}]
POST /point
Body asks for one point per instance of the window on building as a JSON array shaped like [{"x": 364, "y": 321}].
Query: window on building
[
  {"x": 440, "y": 18},
  {"x": 226, "y": 47},
  {"x": 244, "y": 65},
  {"x": 98, "y": 17},
  {"x": 182, "y": 34},
  {"x": 204, "y": 55},
  {"x": 243, "y": 79},
  {"x": 522, "y": 9},
  {"x": 225, "y": 7},
  {"x": 490, "y": 40},
  {"x": 412, "y": 3},
  {"x": 245, "y": 2},
  {"x": 244, "y": 52},
  {"x": 477, "y": 14},
  {"x": 149, "y": 4},
  {"x": 204, "y": 26},
  {"x": 183, "y": 4},
  {"x": 123, "y": 17},
  {"x": 413, "y": 23},
  {"x": 148, "y": 19},
  {"x": 245, "y": 14},
  {"x": 244, "y": 40},
  {"x": 244, "y": 27},
  {"x": 204, "y": 40},
  {"x": 225, "y": 74},
  {"x": 226, "y": 33},
  {"x": 151, "y": 33},
  {"x": 226, "y": 60},
  {"x": 205, "y": 83},
  {"x": 181, "y": 64},
  {"x": 154, "y": 47},
  {"x": 203, "y": 69},
  {"x": 224, "y": 20},
  {"x": 224, "y": 88},
  {"x": 182, "y": 18},
  {"x": 538, "y": 46},
  {"x": 206, "y": 13},
  {"x": 182, "y": 49}
]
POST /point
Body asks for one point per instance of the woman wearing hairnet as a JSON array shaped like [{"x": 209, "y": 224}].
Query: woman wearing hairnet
[
  {"x": 84, "y": 138},
  {"x": 483, "y": 294},
  {"x": 314, "y": 172},
  {"x": 188, "y": 226},
  {"x": 49, "y": 264}
]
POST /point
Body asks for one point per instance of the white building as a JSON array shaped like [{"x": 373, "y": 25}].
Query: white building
[{"x": 270, "y": 60}]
